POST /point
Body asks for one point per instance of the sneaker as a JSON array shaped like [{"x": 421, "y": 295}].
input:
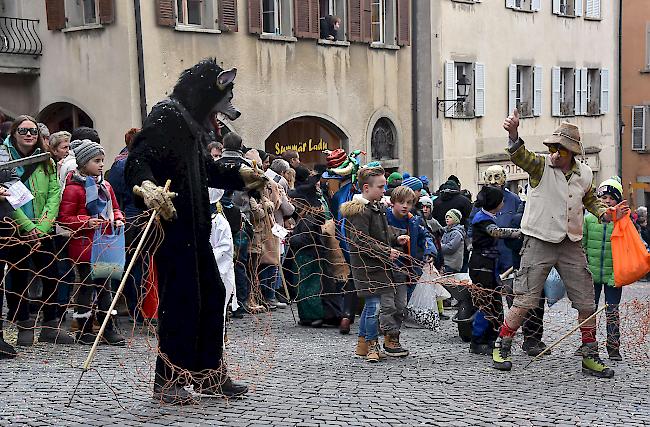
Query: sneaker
[
  {"x": 392, "y": 346},
  {"x": 373, "y": 352},
  {"x": 362, "y": 348},
  {"x": 592, "y": 363},
  {"x": 501, "y": 354},
  {"x": 534, "y": 347}
]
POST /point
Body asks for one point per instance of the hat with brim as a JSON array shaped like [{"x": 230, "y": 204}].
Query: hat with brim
[{"x": 568, "y": 136}]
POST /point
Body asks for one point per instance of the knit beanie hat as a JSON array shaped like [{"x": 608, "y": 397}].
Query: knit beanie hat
[
  {"x": 395, "y": 176},
  {"x": 85, "y": 150},
  {"x": 426, "y": 201},
  {"x": 425, "y": 180},
  {"x": 455, "y": 215},
  {"x": 413, "y": 183},
  {"x": 489, "y": 198},
  {"x": 612, "y": 187}
]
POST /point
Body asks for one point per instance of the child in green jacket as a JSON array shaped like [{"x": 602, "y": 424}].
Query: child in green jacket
[{"x": 596, "y": 240}]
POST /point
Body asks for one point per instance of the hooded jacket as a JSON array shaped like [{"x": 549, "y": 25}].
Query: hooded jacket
[
  {"x": 369, "y": 240},
  {"x": 597, "y": 243},
  {"x": 452, "y": 246}
]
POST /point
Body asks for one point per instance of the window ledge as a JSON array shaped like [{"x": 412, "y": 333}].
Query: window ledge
[
  {"x": 463, "y": 117},
  {"x": 466, "y": 1},
  {"x": 389, "y": 163},
  {"x": 340, "y": 43},
  {"x": 83, "y": 28},
  {"x": 376, "y": 45},
  {"x": 517, "y": 9},
  {"x": 589, "y": 18},
  {"x": 278, "y": 38},
  {"x": 645, "y": 70},
  {"x": 196, "y": 29},
  {"x": 560, "y": 15}
]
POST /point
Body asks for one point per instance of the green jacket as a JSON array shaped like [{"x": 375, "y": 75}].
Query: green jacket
[
  {"x": 46, "y": 189},
  {"x": 597, "y": 243}
]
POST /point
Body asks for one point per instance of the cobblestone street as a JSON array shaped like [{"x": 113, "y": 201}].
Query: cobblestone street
[{"x": 302, "y": 376}]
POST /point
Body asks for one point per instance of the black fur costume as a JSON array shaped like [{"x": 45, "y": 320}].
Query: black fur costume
[{"x": 192, "y": 295}]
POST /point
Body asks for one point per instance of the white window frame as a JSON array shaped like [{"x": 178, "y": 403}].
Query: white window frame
[
  {"x": 475, "y": 104},
  {"x": 381, "y": 4},
  {"x": 568, "y": 8},
  {"x": 75, "y": 12},
  {"x": 593, "y": 9},
  {"x": 184, "y": 19},
  {"x": 277, "y": 17},
  {"x": 524, "y": 5},
  {"x": 639, "y": 134},
  {"x": 522, "y": 88},
  {"x": 561, "y": 91}
]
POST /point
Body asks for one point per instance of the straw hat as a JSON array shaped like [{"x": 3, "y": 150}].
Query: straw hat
[{"x": 568, "y": 136}]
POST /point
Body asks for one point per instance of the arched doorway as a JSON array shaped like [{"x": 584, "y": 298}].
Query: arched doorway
[
  {"x": 309, "y": 136},
  {"x": 64, "y": 116}
]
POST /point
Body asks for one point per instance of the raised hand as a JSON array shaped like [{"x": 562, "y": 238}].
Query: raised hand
[{"x": 511, "y": 123}]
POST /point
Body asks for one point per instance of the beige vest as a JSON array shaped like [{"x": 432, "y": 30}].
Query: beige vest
[{"x": 554, "y": 208}]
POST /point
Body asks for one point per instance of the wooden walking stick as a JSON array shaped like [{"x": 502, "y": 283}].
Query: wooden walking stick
[
  {"x": 125, "y": 276},
  {"x": 547, "y": 349}
]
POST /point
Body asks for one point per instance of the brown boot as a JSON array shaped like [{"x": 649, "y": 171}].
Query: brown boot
[
  {"x": 362, "y": 348},
  {"x": 373, "y": 352},
  {"x": 392, "y": 346}
]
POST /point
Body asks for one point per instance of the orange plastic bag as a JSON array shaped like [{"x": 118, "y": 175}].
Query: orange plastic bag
[{"x": 630, "y": 256}]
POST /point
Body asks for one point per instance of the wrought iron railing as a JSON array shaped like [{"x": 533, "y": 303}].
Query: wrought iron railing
[{"x": 20, "y": 36}]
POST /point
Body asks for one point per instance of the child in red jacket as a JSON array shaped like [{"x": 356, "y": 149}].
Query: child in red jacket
[{"x": 88, "y": 203}]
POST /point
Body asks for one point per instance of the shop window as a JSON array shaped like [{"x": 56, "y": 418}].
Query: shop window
[
  {"x": 473, "y": 105},
  {"x": 564, "y": 88},
  {"x": 383, "y": 142}
]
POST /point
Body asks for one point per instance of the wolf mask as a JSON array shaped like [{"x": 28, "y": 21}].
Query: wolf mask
[{"x": 206, "y": 90}]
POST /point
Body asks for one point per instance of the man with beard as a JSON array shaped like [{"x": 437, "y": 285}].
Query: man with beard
[{"x": 173, "y": 146}]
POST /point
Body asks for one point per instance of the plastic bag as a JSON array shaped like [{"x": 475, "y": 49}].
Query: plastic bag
[
  {"x": 554, "y": 289},
  {"x": 107, "y": 256},
  {"x": 423, "y": 305},
  {"x": 631, "y": 258}
]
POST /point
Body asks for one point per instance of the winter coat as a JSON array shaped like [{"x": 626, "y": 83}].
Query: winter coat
[
  {"x": 597, "y": 243},
  {"x": 504, "y": 219},
  {"x": 452, "y": 246},
  {"x": 452, "y": 199},
  {"x": 123, "y": 194},
  {"x": 74, "y": 216},
  {"x": 327, "y": 28},
  {"x": 45, "y": 188},
  {"x": 370, "y": 240},
  {"x": 421, "y": 241},
  {"x": 270, "y": 242}
]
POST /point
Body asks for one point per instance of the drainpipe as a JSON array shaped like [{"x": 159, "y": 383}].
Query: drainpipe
[
  {"x": 414, "y": 86},
  {"x": 620, "y": 95},
  {"x": 140, "y": 50}
]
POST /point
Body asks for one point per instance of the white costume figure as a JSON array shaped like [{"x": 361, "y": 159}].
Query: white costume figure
[{"x": 222, "y": 248}]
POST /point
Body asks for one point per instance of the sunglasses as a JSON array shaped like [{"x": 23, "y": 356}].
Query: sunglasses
[
  {"x": 557, "y": 149},
  {"x": 25, "y": 131}
]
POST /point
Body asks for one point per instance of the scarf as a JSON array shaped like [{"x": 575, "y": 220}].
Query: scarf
[{"x": 98, "y": 198}]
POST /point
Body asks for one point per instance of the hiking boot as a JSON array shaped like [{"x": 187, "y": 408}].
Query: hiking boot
[
  {"x": 112, "y": 337},
  {"x": 173, "y": 394},
  {"x": 344, "y": 326},
  {"x": 362, "y": 348},
  {"x": 614, "y": 354},
  {"x": 501, "y": 354},
  {"x": 25, "y": 332},
  {"x": 392, "y": 346},
  {"x": 592, "y": 363},
  {"x": 481, "y": 348},
  {"x": 373, "y": 352},
  {"x": 534, "y": 347},
  {"x": 6, "y": 350},
  {"x": 52, "y": 333},
  {"x": 226, "y": 388}
]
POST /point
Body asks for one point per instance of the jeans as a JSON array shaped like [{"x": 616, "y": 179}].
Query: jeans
[
  {"x": 612, "y": 299},
  {"x": 268, "y": 275},
  {"x": 369, "y": 320}
]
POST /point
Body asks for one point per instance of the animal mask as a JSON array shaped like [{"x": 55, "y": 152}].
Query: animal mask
[{"x": 495, "y": 175}]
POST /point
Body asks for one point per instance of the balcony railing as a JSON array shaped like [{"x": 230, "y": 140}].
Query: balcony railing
[{"x": 20, "y": 36}]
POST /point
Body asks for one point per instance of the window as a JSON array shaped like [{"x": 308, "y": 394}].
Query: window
[
  {"x": 63, "y": 14},
  {"x": 190, "y": 12},
  {"x": 474, "y": 104},
  {"x": 525, "y": 90},
  {"x": 563, "y": 97},
  {"x": 592, "y": 9},
  {"x": 567, "y": 7},
  {"x": 382, "y": 21},
  {"x": 271, "y": 16},
  {"x": 80, "y": 13},
  {"x": 383, "y": 142},
  {"x": 336, "y": 8},
  {"x": 647, "y": 47},
  {"x": 639, "y": 127},
  {"x": 593, "y": 91},
  {"x": 524, "y": 5}
]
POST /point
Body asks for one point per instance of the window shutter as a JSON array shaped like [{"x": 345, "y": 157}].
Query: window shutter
[
  {"x": 165, "y": 14},
  {"x": 55, "y": 11},
  {"x": 577, "y": 7},
  {"x": 305, "y": 13},
  {"x": 255, "y": 16},
  {"x": 536, "y": 5},
  {"x": 589, "y": 9},
  {"x": 354, "y": 21},
  {"x": 576, "y": 86},
  {"x": 556, "y": 7},
  {"x": 537, "y": 91},
  {"x": 228, "y": 15},
  {"x": 450, "y": 88},
  {"x": 366, "y": 21},
  {"x": 479, "y": 93},
  {"x": 555, "y": 97},
  {"x": 512, "y": 88},
  {"x": 638, "y": 128},
  {"x": 596, "y": 8},
  {"x": 510, "y": 3},
  {"x": 106, "y": 11},
  {"x": 604, "y": 91},
  {"x": 403, "y": 22},
  {"x": 583, "y": 91}
]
